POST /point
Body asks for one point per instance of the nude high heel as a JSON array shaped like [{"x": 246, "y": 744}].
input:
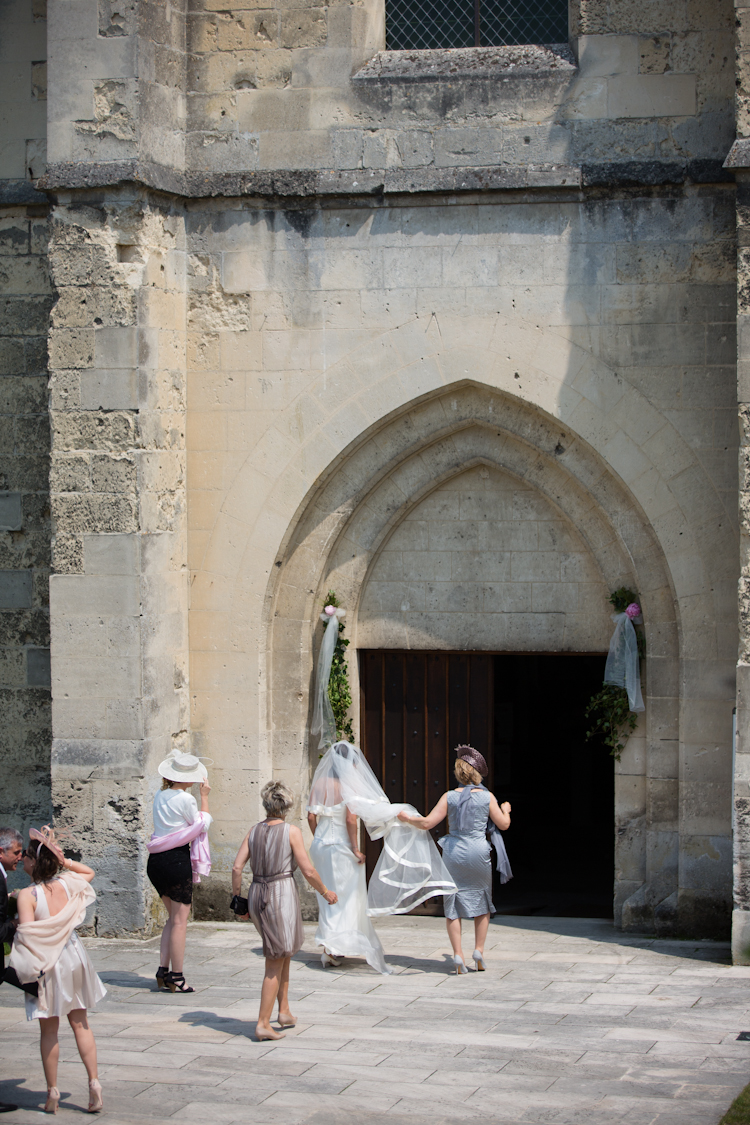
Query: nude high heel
[
  {"x": 53, "y": 1100},
  {"x": 96, "y": 1103},
  {"x": 479, "y": 964},
  {"x": 459, "y": 964}
]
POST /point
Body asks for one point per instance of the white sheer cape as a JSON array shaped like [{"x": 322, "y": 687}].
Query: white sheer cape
[{"x": 410, "y": 869}]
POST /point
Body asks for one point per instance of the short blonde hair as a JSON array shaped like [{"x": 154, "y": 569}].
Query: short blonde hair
[
  {"x": 466, "y": 774},
  {"x": 277, "y": 798}
]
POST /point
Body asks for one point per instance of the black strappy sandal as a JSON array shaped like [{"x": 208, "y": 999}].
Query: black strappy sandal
[
  {"x": 161, "y": 978},
  {"x": 176, "y": 983}
]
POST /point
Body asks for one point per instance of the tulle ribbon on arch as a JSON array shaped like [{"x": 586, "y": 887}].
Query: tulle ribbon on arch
[{"x": 623, "y": 668}]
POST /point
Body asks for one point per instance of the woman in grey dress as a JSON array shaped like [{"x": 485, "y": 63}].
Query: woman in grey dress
[
  {"x": 466, "y": 850},
  {"x": 274, "y": 849}
]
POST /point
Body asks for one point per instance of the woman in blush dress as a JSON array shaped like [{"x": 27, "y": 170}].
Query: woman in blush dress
[
  {"x": 274, "y": 848},
  {"x": 46, "y": 948},
  {"x": 470, "y": 809}
]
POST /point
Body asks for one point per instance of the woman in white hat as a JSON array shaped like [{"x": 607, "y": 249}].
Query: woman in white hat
[{"x": 178, "y": 827}]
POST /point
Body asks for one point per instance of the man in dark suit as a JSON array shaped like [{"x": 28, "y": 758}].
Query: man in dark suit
[{"x": 11, "y": 850}]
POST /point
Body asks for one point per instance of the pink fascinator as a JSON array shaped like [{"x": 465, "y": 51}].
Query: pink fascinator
[
  {"x": 46, "y": 835},
  {"x": 473, "y": 758}
]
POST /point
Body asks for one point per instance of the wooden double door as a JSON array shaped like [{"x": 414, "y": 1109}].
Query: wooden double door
[
  {"x": 526, "y": 713},
  {"x": 416, "y": 708}
]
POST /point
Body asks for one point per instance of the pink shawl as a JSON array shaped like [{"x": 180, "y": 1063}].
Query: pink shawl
[
  {"x": 195, "y": 834},
  {"x": 37, "y": 945}
]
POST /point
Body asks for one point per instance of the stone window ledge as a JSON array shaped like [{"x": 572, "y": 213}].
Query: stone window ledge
[{"x": 469, "y": 62}]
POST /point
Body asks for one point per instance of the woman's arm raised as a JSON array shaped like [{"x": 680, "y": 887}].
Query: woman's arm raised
[
  {"x": 499, "y": 814},
  {"x": 205, "y": 790},
  {"x": 427, "y": 822},
  {"x": 81, "y": 869},
  {"x": 306, "y": 867}
]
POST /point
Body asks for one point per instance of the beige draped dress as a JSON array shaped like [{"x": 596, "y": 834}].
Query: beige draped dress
[{"x": 273, "y": 899}]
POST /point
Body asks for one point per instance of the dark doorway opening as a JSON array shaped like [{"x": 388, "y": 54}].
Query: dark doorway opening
[{"x": 525, "y": 713}]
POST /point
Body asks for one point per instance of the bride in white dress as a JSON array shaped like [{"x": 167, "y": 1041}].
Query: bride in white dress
[{"x": 344, "y": 929}]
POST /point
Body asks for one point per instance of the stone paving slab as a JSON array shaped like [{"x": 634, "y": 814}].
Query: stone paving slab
[{"x": 572, "y": 1024}]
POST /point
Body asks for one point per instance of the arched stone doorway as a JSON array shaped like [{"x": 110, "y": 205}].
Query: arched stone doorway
[{"x": 344, "y": 526}]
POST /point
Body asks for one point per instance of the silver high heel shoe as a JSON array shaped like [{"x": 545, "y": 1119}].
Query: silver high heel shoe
[
  {"x": 327, "y": 959},
  {"x": 459, "y": 964},
  {"x": 479, "y": 964}
]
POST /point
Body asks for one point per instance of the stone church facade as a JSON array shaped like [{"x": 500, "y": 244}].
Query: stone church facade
[{"x": 452, "y": 332}]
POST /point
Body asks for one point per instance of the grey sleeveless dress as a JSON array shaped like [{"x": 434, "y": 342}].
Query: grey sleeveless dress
[
  {"x": 272, "y": 898},
  {"x": 467, "y": 857}
]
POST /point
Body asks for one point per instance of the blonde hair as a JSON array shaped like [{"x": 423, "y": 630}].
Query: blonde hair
[
  {"x": 466, "y": 774},
  {"x": 166, "y": 783},
  {"x": 277, "y": 798}
]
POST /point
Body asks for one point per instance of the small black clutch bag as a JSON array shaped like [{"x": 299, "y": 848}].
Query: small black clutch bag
[{"x": 238, "y": 905}]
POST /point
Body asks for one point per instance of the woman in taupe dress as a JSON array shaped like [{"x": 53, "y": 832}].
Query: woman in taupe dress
[{"x": 273, "y": 849}]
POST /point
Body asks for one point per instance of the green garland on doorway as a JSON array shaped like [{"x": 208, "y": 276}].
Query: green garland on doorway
[
  {"x": 609, "y": 710},
  {"x": 339, "y": 688}
]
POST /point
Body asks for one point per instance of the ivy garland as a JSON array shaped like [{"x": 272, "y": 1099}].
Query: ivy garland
[
  {"x": 339, "y": 689},
  {"x": 609, "y": 710}
]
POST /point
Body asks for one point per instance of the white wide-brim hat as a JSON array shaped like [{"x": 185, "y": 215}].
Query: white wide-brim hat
[{"x": 183, "y": 767}]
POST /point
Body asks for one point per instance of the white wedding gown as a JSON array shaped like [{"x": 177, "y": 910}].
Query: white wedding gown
[{"x": 344, "y": 929}]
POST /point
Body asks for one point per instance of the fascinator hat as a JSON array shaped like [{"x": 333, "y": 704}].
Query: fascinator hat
[
  {"x": 46, "y": 836},
  {"x": 473, "y": 758},
  {"x": 183, "y": 767}
]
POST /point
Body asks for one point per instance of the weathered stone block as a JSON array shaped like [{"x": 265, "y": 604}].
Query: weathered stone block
[
  {"x": 10, "y": 511},
  {"x": 604, "y": 55},
  {"x": 116, "y": 348},
  {"x": 75, "y": 594},
  {"x": 38, "y": 667},
  {"x": 111, "y": 554},
  {"x": 107, "y": 512},
  {"x": 71, "y": 347},
  {"x": 113, "y": 474},
  {"x": 651, "y": 95},
  {"x": 15, "y": 589},
  {"x": 113, "y": 431},
  {"x": 248, "y": 30},
  {"x": 654, "y": 54},
  {"x": 303, "y": 27}
]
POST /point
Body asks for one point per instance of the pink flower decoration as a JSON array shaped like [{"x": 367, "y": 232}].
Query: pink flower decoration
[
  {"x": 633, "y": 610},
  {"x": 331, "y": 609}
]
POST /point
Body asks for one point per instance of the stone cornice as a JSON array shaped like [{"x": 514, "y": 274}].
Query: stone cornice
[{"x": 377, "y": 182}]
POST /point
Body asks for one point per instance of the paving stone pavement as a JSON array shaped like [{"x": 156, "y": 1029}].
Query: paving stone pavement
[{"x": 572, "y": 1023}]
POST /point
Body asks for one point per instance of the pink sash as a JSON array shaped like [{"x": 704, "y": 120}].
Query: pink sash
[{"x": 195, "y": 834}]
